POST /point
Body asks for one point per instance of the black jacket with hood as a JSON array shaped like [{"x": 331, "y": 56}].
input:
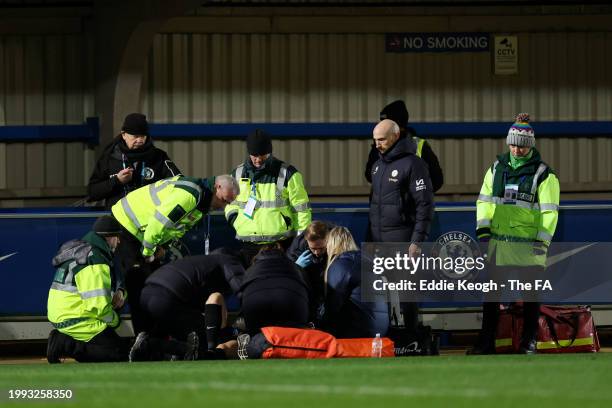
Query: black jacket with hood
[
  {"x": 402, "y": 203},
  {"x": 427, "y": 154},
  {"x": 150, "y": 164}
]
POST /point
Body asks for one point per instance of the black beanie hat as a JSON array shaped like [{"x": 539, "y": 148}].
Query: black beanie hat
[
  {"x": 397, "y": 112},
  {"x": 259, "y": 143},
  {"x": 107, "y": 226},
  {"x": 136, "y": 124}
]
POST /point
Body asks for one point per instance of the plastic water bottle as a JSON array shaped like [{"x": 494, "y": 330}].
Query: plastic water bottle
[{"x": 377, "y": 346}]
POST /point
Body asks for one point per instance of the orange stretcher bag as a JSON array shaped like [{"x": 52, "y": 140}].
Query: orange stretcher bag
[
  {"x": 287, "y": 342},
  {"x": 362, "y": 348}
]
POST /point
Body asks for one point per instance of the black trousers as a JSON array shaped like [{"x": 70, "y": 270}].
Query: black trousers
[
  {"x": 106, "y": 346},
  {"x": 165, "y": 314},
  {"x": 531, "y": 307},
  {"x": 490, "y": 319},
  {"x": 275, "y": 301},
  {"x": 135, "y": 270}
]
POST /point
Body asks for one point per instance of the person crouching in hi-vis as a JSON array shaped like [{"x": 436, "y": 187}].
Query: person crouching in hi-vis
[
  {"x": 81, "y": 304},
  {"x": 157, "y": 214},
  {"x": 516, "y": 213},
  {"x": 273, "y": 205}
]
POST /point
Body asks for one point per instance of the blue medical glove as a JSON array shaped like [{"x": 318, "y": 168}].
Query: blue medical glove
[{"x": 305, "y": 259}]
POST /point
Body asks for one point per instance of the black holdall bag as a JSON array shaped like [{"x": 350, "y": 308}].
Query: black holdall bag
[
  {"x": 409, "y": 341},
  {"x": 421, "y": 342}
]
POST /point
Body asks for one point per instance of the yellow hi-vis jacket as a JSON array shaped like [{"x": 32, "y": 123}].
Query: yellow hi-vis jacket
[
  {"x": 282, "y": 207},
  {"x": 419, "y": 144},
  {"x": 164, "y": 211},
  {"x": 517, "y": 208},
  {"x": 80, "y": 303}
]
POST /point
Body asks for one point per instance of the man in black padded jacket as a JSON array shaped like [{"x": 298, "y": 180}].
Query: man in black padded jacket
[
  {"x": 402, "y": 201},
  {"x": 130, "y": 161},
  {"x": 397, "y": 112}
]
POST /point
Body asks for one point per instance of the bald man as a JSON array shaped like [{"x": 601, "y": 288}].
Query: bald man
[
  {"x": 402, "y": 205},
  {"x": 402, "y": 197}
]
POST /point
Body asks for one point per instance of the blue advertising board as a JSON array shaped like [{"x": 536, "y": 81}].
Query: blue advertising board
[{"x": 30, "y": 238}]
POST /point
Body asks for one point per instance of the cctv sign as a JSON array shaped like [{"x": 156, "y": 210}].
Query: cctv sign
[{"x": 505, "y": 57}]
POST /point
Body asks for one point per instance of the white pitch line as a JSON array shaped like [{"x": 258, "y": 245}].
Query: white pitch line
[{"x": 349, "y": 390}]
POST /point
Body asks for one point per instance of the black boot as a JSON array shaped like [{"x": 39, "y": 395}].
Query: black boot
[
  {"x": 486, "y": 338},
  {"x": 54, "y": 347},
  {"x": 484, "y": 345},
  {"x": 59, "y": 345},
  {"x": 531, "y": 315},
  {"x": 140, "y": 349},
  {"x": 528, "y": 346},
  {"x": 192, "y": 345}
]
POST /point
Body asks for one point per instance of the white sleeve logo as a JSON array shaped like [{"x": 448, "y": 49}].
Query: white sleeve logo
[{"x": 420, "y": 185}]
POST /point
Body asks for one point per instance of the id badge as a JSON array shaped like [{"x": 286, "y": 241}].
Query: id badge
[
  {"x": 249, "y": 207},
  {"x": 510, "y": 193}
]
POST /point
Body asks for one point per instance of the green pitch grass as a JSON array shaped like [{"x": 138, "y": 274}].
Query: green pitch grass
[{"x": 450, "y": 381}]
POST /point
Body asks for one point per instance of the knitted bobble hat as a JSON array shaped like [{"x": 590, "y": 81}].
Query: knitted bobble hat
[{"x": 521, "y": 133}]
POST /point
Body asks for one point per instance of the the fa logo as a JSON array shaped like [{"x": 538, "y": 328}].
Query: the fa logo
[
  {"x": 394, "y": 173},
  {"x": 375, "y": 170}
]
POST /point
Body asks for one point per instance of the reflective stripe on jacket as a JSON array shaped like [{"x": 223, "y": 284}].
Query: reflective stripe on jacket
[
  {"x": 79, "y": 303},
  {"x": 517, "y": 207},
  {"x": 161, "y": 212},
  {"x": 282, "y": 207},
  {"x": 419, "y": 144}
]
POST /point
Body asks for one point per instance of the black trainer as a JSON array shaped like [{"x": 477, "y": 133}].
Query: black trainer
[
  {"x": 54, "y": 347},
  {"x": 243, "y": 343},
  {"x": 480, "y": 349},
  {"x": 193, "y": 344},
  {"x": 140, "y": 349},
  {"x": 484, "y": 345},
  {"x": 528, "y": 347}
]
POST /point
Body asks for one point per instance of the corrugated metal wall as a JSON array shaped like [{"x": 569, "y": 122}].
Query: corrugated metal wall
[
  {"x": 241, "y": 78},
  {"x": 221, "y": 78},
  {"x": 45, "y": 80}
]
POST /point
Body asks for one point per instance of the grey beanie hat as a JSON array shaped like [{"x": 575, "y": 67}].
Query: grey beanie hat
[{"x": 521, "y": 133}]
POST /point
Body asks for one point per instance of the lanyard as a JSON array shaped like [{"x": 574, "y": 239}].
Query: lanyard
[
  {"x": 124, "y": 163},
  {"x": 207, "y": 239}
]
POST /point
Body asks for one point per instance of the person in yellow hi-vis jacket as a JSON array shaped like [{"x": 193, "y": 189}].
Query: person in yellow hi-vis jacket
[
  {"x": 159, "y": 213},
  {"x": 273, "y": 204},
  {"x": 81, "y": 304},
  {"x": 516, "y": 213}
]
